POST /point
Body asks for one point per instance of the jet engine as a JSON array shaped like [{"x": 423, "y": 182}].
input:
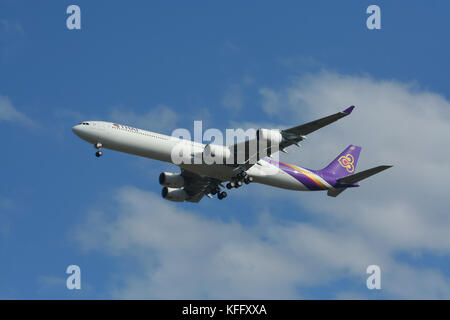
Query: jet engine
[
  {"x": 172, "y": 180},
  {"x": 273, "y": 137},
  {"x": 174, "y": 194}
]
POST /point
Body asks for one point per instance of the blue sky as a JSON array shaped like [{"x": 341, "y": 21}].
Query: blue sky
[{"x": 162, "y": 65}]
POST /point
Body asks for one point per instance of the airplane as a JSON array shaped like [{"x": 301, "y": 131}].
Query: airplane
[{"x": 199, "y": 179}]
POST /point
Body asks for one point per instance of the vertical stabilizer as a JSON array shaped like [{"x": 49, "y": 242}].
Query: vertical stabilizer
[{"x": 344, "y": 164}]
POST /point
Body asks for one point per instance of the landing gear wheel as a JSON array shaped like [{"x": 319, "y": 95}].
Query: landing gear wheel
[
  {"x": 229, "y": 186},
  {"x": 98, "y": 145},
  {"x": 248, "y": 179},
  {"x": 238, "y": 183},
  {"x": 222, "y": 195}
]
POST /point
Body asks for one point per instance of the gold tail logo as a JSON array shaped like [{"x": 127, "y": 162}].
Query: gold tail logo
[{"x": 347, "y": 162}]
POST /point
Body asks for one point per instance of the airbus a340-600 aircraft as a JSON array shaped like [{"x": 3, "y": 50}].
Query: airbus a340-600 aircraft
[{"x": 199, "y": 179}]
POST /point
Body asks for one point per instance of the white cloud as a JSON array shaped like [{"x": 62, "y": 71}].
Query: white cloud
[
  {"x": 159, "y": 118},
  {"x": 395, "y": 123},
  {"x": 9, "y": 113},
  {"x": 403, "y": 210},
  {"x": 184, "y": 255}
]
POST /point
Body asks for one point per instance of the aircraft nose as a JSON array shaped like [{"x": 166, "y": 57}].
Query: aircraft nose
[{"x": 76, "y": 129}]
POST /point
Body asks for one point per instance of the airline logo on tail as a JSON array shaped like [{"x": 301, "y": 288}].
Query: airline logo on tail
[{"x": 347, "y": 162}]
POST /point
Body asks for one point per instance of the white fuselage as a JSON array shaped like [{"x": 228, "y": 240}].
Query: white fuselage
[{"x": 159, "y": 147}]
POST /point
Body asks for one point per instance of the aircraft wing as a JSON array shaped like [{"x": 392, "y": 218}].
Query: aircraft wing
[
  {"x": 298, "y": 133},
  {"x": 196, "y": 186},
  {"x": 289, "y": 137}
]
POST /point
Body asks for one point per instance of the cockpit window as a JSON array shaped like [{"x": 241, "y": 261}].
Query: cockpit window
[{"x": 84, "y": 123}]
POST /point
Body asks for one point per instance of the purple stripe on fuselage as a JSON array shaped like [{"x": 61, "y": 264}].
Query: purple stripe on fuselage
[{"x": 299, "y": 176}]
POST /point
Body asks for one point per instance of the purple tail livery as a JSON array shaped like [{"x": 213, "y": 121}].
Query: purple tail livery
[
  {"x": 343, "y": 165},
  {"x": 336, "y": 177}
]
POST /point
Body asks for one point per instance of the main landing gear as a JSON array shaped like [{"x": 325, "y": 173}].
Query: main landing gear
[
  {"x": 220, "y": 194},
  {"x": 239, "y": 180},
  {"x": 98, "y": 146}
]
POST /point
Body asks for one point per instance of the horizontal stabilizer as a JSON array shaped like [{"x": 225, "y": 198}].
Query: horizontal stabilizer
[
  {"x": 353, "y": 178},
  {"x": 335, "y": 192}
]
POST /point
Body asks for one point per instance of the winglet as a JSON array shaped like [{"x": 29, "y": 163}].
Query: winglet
[{"x": 348, "y": 110}]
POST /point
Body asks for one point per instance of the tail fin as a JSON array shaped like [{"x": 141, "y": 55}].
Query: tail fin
[{"x": 344, "y": 164}]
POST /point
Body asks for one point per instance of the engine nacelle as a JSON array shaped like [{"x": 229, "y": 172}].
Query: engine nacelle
[
  {"x": 215, "y": 152},
  {"x": 172, "y": 180},
  {"x": 273, "y": 137},
  {"x": 174, "y": 194}
]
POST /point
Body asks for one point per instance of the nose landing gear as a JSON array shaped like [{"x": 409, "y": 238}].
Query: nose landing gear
[{"x": 98, "y": 146}]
